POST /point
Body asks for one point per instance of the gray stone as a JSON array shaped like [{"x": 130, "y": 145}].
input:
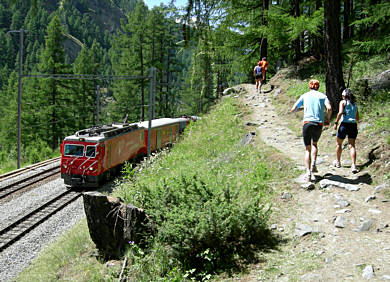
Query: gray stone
[
  {"x": 251, "y": 123},
  {"x": 324, "y": 183},
  {"x": 328, "y": 260},
  {"x": 112, "y": 224},
  {"x": 247, "y": 139},
  {"x": 341, "y": 203},
  {"x": 368, "y": 272},
  {"x": 374, "y": 211},
  {"x": 369, "y": 198},
  {"x": 277, "y": 92},
  {"x": 381, "y": 187},
  {"x": 343, "y": 211},
  {"x": 286, "y": 196},
  {"x": 340, "y": 222},
  {"x": 303, "y": 229},
  {"x": 364, "y": 226},
  {"x": 308, "y": 186},
  {"x": 382, "y": 81},
  {"x": 311, "y": 277},
  {"x": 228, "y": 91}
]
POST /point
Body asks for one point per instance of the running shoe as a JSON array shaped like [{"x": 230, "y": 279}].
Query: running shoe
[
  {"x": 307, "y": 177},
  {"x": 336, "y": 163},
  {"x": 354, "y": 169}
]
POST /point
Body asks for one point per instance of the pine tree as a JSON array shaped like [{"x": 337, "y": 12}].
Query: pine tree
[
  {"x": 53, "y": 92},
  {"x": 128, "y": 57}
]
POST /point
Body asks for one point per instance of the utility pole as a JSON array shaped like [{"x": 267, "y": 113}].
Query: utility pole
[
  {"x": 97, "y": 104},
  {"x": 20, "y": 76},
  {"x": 152, "y": 91}
]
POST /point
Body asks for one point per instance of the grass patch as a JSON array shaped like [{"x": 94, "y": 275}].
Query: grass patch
[{"x": 69, "y": 258}]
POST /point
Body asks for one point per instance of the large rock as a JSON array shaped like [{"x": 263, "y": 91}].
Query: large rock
[
  {"x": 381, "y": 81},
  {"x": 113, "y": 225},
  {"x": 366, "y": 86}
]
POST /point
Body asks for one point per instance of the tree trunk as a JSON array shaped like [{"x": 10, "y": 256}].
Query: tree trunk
[
  {"x": 347, "y": 30},
  {"x": 142, "y": 81},
  {"x": 296, "y": 43},
  {"x": 167, "y": 88},
  {"x": 160, "y": 99},
  {"x": 264, "y": 41},
  {"x": 318, "y": 41},
  {"x": 334, "y": 75}
]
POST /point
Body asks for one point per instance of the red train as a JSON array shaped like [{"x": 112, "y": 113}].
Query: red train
[{"x": 93, "y": 155}]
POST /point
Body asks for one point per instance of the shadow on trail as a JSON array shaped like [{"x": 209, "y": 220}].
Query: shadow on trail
[
  {"x": 252, "y": 253},
  {"x": 364, "y": 178}
]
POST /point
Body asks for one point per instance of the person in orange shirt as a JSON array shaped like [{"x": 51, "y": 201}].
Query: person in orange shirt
[{"x": 264, "y": 66}]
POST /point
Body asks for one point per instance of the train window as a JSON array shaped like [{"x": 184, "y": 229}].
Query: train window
[
  {"x": 73, "y": 150},
  {"x": 90, "y": 152}
]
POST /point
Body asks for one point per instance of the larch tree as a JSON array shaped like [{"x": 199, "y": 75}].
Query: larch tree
[
  {"x": 53, "y": 92},
  {"x": 334, "y": 73}
]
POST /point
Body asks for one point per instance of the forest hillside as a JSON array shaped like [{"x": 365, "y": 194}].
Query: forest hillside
[{"x": 76, "y": 54}]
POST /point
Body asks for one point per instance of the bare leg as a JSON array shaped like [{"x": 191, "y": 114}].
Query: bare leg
[
  {"x": 307, "y": 157},
  {"x": 352, "y": 151},
  {"x": 314, "y": 153},
  {"x": 339, "y": 149}
]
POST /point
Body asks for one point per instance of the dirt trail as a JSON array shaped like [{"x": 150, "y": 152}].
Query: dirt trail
[{"x": 328, "y": 252}]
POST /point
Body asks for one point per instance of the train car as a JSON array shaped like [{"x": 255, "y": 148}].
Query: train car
[
  {"x": 164, "y": 132},
  {"x": 93, "y": 155}
]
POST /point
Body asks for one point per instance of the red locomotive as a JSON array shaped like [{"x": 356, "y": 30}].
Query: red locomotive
[{"x": 95, "y": 154}]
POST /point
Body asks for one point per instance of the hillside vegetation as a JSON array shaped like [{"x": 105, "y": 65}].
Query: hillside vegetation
[{"x": 210, "y": 197}]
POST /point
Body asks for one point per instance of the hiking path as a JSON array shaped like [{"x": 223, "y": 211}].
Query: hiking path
[{"x": 338, "y": 226}]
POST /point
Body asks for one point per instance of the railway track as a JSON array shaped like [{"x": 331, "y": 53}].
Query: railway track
[
  {"x": 23, "y": 170},
  {"x": 26, "y": 223},
  {"x": 39, "y": 173}
]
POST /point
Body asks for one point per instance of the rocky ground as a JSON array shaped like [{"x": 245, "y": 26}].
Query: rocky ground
[{"x": 334, "y": 229}]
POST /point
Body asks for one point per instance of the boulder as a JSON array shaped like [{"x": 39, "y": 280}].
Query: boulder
[
  {"x": 113, "y": 225},
  {"x": 381, "y": 81}
]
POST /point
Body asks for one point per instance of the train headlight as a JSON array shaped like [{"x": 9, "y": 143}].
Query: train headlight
[
  {"x": 64, "y": 166},
  {"x": 91, "y": 168}
]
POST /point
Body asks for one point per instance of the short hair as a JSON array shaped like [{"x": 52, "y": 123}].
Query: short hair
[
  {"x": 314, "y": 84},
  {"x": 263, "y": 58}
]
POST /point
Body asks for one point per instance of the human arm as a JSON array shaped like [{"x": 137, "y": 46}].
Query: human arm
[
  {"x": 328, "y": 112},
  {"x": 339, "y": 114},
  {"x": 298, "y": 104}
]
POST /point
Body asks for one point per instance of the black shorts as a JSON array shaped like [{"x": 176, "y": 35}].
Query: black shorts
[
  {"x": 259, "y": 76},
  {"x": 347, "y": 129},
  {"x": 311, "y": 131}
]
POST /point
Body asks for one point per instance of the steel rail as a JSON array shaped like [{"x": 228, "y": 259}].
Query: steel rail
[
  {"x": 24, "y": 169},
  {"x": 26, "y": 223},
  {"x": 13, "y": 187}
]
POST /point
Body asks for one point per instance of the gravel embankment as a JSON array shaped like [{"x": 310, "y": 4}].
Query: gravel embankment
[{"x": 19, "y": 255}]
